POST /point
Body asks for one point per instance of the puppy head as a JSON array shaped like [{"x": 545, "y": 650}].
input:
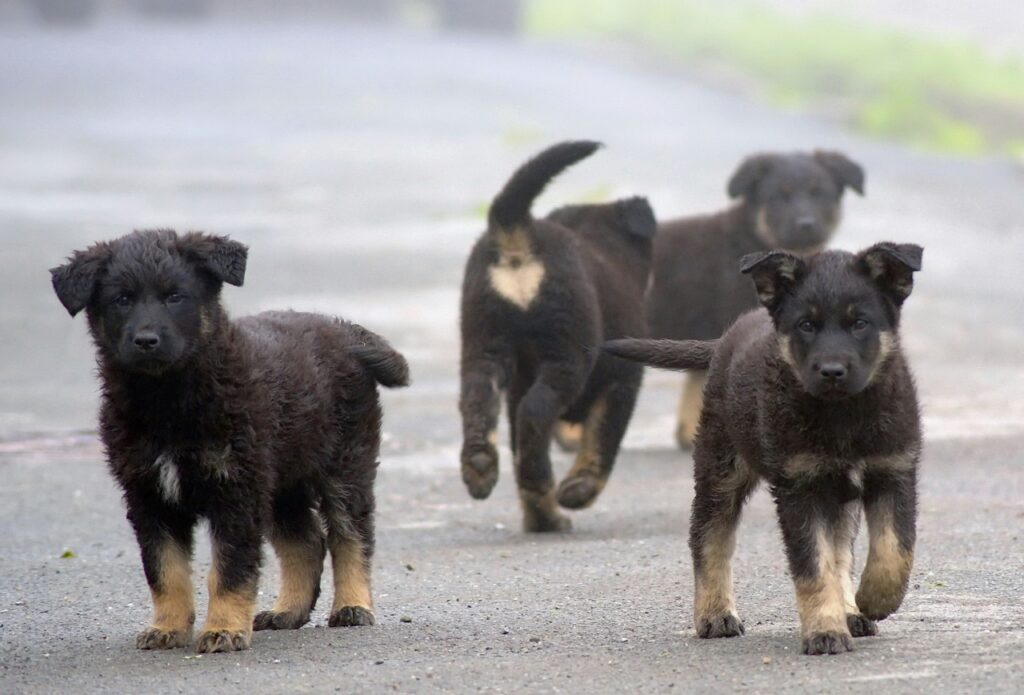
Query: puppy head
[
  {"x": 796, "y": 199},
  {"x": 837, "y": 314},
  {"x": 150, "y": 296}
]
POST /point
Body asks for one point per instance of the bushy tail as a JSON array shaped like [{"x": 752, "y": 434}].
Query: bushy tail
[
  {"x": 667, "y": 354},
  {"x": 512, "y": 205},
  {"x": 385, "y": 364}
]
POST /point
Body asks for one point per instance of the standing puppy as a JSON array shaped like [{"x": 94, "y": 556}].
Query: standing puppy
[
  {"x": 537, "y": 297},
  {"x": 269, "y": 425},
  {"x": 786, "y": 201},
  {"x": 815, "y": 396}
]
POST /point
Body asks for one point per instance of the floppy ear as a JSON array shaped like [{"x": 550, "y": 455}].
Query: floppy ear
[
  {"x": 843, "y": 170},
  {"x": 750, "y": 171},
  {"x": 891, "y": 267},
  {"x": 775, "y": 273},
  {"x": 224, "y": 258},
  {"x": 637, "y": 217},
  {"x": 75, "y": 281}
]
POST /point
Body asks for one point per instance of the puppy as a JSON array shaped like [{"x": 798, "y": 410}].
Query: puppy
[
  {"x": 269, "y": 425},
  {"x": 537, "y": 298},
  {"x": 814, "y": 395},
  {"x": 786, "y": 201}
]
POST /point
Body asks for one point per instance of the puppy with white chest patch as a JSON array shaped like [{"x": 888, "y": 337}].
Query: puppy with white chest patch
[
  {"x": 265, "y": 426},
  {"x": 813, "y": 394},
  {"x": 537, "y": 298}
]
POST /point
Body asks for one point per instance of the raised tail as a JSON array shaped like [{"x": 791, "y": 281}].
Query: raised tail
[
  {"x": 383, "y": 362},
  {"x": 511, "y": 207},
  {"x": 666, "y": 354}
]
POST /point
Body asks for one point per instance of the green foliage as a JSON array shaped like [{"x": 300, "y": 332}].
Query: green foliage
[{"x": 932, "y": 93}]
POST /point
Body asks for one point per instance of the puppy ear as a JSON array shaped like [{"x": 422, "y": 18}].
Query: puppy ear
[
  {"x": 637, "y": 217},
  {"x": 891, "y": 267},
  {"x": 749, "y": 172},
  {"x": 775, "y": 273},
  {"x": 223, "y": 257},
  {"x": 843, "y": 170},
  {"x": 75, "y": 281}
]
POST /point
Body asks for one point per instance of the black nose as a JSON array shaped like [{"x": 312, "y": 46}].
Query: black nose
[
  {"x": 806, "y": 224},
  {"x": 832, "y": 370},
  {"x": 147, "y": 340}
]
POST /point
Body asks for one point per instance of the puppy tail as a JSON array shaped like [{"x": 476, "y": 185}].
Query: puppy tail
[
  {"x": 667, "y": 354},
  {"x": 511, "y": 207},
  {"x": 385, "y": 364}
]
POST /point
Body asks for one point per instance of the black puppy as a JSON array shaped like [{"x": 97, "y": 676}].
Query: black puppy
[
  {"x": 815, "y": 396},
  {"x": 786, "y": 201},
  {"x": 537, "y": 298},
  {"x": 269, "y": 425}
]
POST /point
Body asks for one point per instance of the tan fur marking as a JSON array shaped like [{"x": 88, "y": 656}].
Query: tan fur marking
[
  {"x": 713, "y": 594},
  {"x": 351, "y": 576},
  {"x": 803, "y": 466},
  {"x": 518, "y": 274},
  {"x": 492, "y": 437},
  {"x": 897, "y": 462},
  {"x": 820, "y": 600},
  {"x": 588, "y": 459},
  {"x": 569, "y": 434},
  {"x": 786, "y": 353},
  {"x": 173, "y": 607},
  {"x": 886, "y": 343},
  {"x": 846, "y": 531},
  {"x": 300, "y": 574},
  {"x": 764, "y": 231},
  {"x": 887, "y": 570},
  {"x": 691, "y": 402},
  {"x": 229, "y": 611}
]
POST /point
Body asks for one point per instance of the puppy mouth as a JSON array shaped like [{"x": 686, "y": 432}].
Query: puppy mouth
[{"x": 152, "y": 364}]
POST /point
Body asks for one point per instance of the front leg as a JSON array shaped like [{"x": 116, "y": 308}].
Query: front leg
[
  {"x": 890, "y": 505},
  {"x": 165, "y": 541},
  {"x": 811, "y": 517},
  {"x": 234, "y": 578}
]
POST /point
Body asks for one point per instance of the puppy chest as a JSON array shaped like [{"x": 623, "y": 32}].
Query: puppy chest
[{"x": 186, "y": 478}]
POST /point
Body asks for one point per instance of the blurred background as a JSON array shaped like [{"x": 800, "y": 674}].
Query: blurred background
[{"x": 355, "y": 145}]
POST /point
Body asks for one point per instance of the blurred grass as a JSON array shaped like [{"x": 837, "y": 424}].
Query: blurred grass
[{"x": 934, "y": 94}]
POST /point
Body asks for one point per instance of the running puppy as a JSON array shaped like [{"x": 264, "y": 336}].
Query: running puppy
[
  {"x": 815, "y": 396},
  {"x": 786, "y": 201},
  {"x": 537, "y": 298},
  {"x": 269, "y": 425}
]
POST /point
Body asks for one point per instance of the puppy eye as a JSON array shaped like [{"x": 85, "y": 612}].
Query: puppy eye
[
  {"x": 174, "y": 298},
  {"x": 123, "y": 300},
  {"x": 860, "y": 324},
  {"x": 805, "y": 326}
]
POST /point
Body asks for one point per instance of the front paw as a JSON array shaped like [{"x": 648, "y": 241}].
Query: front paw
[
  {"x": 860, "y": 626},
  {"x": 155, "y": 638},
  {"x": 724, "y": 625},
  {"x": 480, "y": 471},
  {"x": 214, "y": 641},
  {"x": 827, "y": 643},
  {"x": 580, "y": 490},
  {"x": 351, "y": 616},
  {"x": 269, "y": 620}
]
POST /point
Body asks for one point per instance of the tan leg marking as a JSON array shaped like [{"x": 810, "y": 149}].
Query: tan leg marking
[
  {"x": 820, "y": 600},
  {"x": 713, "y": 594},
  {"x": 173, "y": 602},
  {"x": 569, "y": 435},
  {"x": 883, "y": 583},
  {"x": 541, "y": 513},
  {"x": 691, "y": 402},
  {"x": 229, "y": 611},
  {"x": 351, "y": 575},
  {"x": 587, "y": 477},
  {"x": 300, "y": 574}
]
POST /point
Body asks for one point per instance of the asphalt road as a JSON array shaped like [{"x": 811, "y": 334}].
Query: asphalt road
[{"x": 355, "y": 162}]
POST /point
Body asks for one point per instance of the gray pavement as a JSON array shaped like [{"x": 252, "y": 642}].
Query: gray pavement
[{"x": 356, "y": 161}]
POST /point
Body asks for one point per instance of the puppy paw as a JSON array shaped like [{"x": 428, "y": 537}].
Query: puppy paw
[
  {"x": 155, "y": 638},
  {"x": 351, "y": 616},
  {"x": 861, "y": 626},
  {"x": 546, "y": 523},
  {"x": 827, "y": 643},
  {"x": 269, "y": 620},
  {"x": 480, "y": 471},
  {"x": 878, "y": 602},
  {"x": 580, "y": 490},
  {"x": 569, "y": 436},
  {"x": 724, "y": 625},
  {"x": 214, "y": 641}
]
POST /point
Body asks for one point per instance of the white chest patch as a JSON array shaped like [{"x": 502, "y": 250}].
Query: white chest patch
[
  {"x": 168, "y": 478},
  {"x": 517, "y": 279}
]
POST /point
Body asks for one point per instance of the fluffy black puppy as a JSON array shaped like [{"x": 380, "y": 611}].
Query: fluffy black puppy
[
  {"x": 269, "y": 425},
  {"x": 815, "y": 396},
  {"x": 786, "y": 201},
  {"x": 537, "y": 297}
]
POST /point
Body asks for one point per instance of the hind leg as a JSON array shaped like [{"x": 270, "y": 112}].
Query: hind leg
[
  {"x": 479, "y": 403},
  {"x": 299, "y": 545},
  {"x": 603, "y": 431},
  {"x": 690, "y": 404},
  {"x": 550, "y": 394},
  {"x": 723, "y": 482}
]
